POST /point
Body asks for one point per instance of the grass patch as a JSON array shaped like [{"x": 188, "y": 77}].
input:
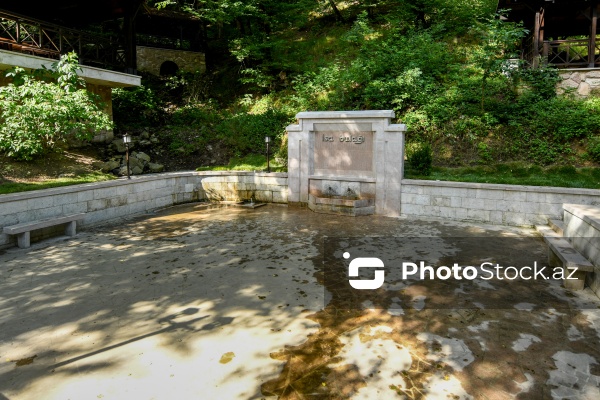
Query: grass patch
[
  {"x": 517, "y": 174},
  {"x": 251, "y": 162},
  {"x": 7, "y": 187}
]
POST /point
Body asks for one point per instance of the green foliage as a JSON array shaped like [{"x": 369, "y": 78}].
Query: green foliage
[
  {"x": 36, "y": 114},
  {"x": 250, "y": 162},
  {"x": 593, "y": 148},
  {"x": 245, "y": 133},
  {"x": 446, "y": 67},
  {"x": 15, "y": 187},
  {"x": 137, "y": 106},
  {"x": 518, "y": 174},
  {"x": 420, "y": 159}
]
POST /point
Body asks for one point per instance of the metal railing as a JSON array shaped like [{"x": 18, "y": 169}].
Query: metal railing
[{"x": 31, "y": 36}]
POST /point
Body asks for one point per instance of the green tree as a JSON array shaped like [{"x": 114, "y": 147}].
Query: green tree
[
  {"x": 42, "y": 108},
  {"x": 499, "y": 43}
]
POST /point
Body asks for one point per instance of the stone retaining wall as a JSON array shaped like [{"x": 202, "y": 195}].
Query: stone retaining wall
[
  {"x": 232, "y": 186},
  {"x": 150, "y": 59},
  {"x": 582, "y": 228},
  {"x": 106, "y": 201},
  {"x": 581, "y": 81},
  {"x": 496, "y": 204}
]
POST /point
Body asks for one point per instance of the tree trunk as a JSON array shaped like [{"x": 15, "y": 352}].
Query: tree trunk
[{"x": 336, "y": 11}]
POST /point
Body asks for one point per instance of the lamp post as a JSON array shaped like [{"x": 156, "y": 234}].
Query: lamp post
[
  {"x": 126, "y": 141},
  {"x": 267, "y": 141}
]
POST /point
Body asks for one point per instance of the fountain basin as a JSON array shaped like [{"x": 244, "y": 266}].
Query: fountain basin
[{"x": 342, "y": 205}]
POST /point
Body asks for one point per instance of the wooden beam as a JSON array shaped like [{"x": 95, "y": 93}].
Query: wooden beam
[
  {"x": 536, "y": 40},
  {"x": 593, "y": 30}
]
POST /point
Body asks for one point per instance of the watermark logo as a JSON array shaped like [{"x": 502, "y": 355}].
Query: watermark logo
[{"x": 365, "y": 262}]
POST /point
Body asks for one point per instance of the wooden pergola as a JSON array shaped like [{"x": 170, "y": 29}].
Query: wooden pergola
[
  {"x": 562, "y": 32},
  {"x": 51, "y": 28}
]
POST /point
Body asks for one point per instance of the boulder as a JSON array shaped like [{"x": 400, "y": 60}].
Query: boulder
[
  {"x": 143, "y": 156},
  {"x": 110, "y": 165},
  {"x": 119, "y": 146},
  {"x": 137, "y": 170},
  {"x": 155, "y": 168},
  {"x": 135, "y": 162},
  {"x": 584, "y": 89}
]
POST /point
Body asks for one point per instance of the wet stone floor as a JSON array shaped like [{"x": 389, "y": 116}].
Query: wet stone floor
[{"x": 205, "y": 302}]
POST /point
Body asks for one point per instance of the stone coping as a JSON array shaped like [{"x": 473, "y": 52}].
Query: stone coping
[
  {"x": 90, "y": 74},
  {"x": 578, "y": 70},
  {"x": 342, "y": 178},
  {"x": 589, "y": 214},
  {"x": 5, "y": 198},
  {"x": 496, "y": 186},
  {"x": 346, "y": 114},
  {"x": 165, "y": 49}
]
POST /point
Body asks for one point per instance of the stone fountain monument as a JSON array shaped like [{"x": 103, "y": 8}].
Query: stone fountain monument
[{"x": 346, "y": 162}]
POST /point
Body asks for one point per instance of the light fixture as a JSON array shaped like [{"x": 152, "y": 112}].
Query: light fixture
[
  {"x": 267, "y": 141},
  {"x": 126, "y": 141}
]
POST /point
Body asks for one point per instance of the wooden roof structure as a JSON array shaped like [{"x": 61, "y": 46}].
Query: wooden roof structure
[
  {"x": 562, "y": 32},
  {"x": 104, "y": 33}
]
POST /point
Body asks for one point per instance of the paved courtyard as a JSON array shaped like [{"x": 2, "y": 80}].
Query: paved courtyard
[{"x": 199, "y": 302}]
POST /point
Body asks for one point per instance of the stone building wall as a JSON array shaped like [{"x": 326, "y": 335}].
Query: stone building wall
[
  {"x": 579, "y": 81},
  {"x": 150, "y": 59},
  {"x": 105, "y": 94}
]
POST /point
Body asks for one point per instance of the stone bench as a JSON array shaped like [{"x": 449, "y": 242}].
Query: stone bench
[
  {"x": 23, "y": 230},
  {"x": 562, "y": 254}
]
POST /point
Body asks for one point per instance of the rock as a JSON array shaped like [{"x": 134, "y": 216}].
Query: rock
[
  {"x": 155, "y": 168},
  {"x": 145, "y": 134},
  {"x": 120, "y": 146},
  {"x": 143, "y": 156},
  {"x": 593, "y": 82},
  {"x": 137, "y": 170},
  {"x": 123, "y": 170},
  {"x": 135, "y": 162},
  {"x": 584, "y": 89},
  {"x": 110, "y": 165},
  {"x": 569, "y": 84},
  {"x": 576, "y": 77},
  {"x": 145, "y": 143},
  {"x": 592, "y": 74},
  {"x": 154, "y": 139}
]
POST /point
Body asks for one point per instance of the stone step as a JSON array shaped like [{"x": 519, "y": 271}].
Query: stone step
[
  {"x": 557, "y": 226},
  {"x": 562, "y": 254}
]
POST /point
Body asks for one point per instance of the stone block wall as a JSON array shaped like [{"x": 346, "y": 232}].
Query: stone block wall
[
  {"x": 105, "y": 94},
  {"x": 109, "y": 201},
  {"x": 243, "y": 186},
  {"x": 489, "y": 203},
  {"x": 150, "y": 59},
  {"x": 112, "y": 200},
  {"x": 580, "y": 81},
  {"x": 582, "y": 228},
  {"x": 102, "y": 202}
]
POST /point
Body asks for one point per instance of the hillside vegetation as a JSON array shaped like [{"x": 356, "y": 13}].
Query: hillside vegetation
[{"x": 442, "y": 65}]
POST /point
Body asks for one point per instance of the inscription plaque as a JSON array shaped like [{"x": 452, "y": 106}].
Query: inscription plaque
[{"x": 343, "y": 149}]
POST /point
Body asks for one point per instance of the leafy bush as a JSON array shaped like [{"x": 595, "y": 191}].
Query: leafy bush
[
  {"x": 593, "y": 148},
  {"x": 37, "y": 111},
  {"x": 245, "y": 133},
  {"x": 137, "y": 106},
  {"x": 420, "y": 159}
]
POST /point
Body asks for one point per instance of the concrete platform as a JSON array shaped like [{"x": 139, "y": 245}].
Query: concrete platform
[{"x": 229, "y": 303}]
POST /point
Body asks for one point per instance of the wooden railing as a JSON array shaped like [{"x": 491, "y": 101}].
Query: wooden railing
[
  {"x": 570, "y": 53},
  {"x": 31, "y": 36}
]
